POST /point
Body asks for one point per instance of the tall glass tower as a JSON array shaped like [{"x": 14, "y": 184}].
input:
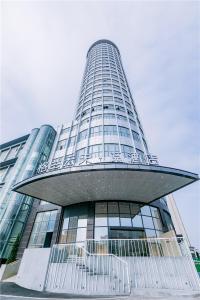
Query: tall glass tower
[{"x": 106, "y": 114}]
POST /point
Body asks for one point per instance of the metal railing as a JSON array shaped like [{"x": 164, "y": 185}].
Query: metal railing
[
  {"x": 114, "y": 267},
  {"x": 72, "y": 269}
]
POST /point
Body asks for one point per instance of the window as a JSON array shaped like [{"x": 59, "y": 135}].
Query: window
[
  {"x": 80, "y": 153},
  {"x": 137, "y": 221},
  {"x": 120, "y": 117},
  {"x": 123, "y": 131},
  {"x": 110, "y": 130},
  {"x": 3, "y": 154},
  {"x": 110, "y": 149},
  {"x": 126, "y": 221},
  {"x": 65, "y": 130},
  {"x": 113, "y": 220},
  {"x": 72, "y": 141},
  {"x": 12, "y": 153},
  {"x": 82, "y": 135},
  {"x": 119, "y": 108},
  {"x": 97, "y": 107},
  {"x": 95, "y": 131},
  {"x": 61, "y": 144},
  {"x": 2, "y": 174},
  {"x": 101, "y": 233},
  {"x": 42, "y": 231},
  {"x": 148, "y": 222},
  {"x": 145, "y": 210},
  {"x": 107, "y": 98},
  {"x": 136, "y": 136},
  {"x": 85, "y": 121},
  {"x": 96, "y": 150},
  {"x": 108, "y": 106},
  {"x": 127, "y": 150},
  {"x": 96, "y": 117},
  {"x": 109, "y": 116}
]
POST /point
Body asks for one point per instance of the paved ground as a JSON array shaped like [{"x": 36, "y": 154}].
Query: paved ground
[{"x": 11, "y": 291}]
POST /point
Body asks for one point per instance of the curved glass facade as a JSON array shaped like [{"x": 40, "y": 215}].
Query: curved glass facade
[
  {"x": 113, "y": 220},
  {"x": 106, "y": 119}
]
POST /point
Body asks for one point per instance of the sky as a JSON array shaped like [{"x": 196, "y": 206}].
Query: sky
[{"x": 43, "y": 54}]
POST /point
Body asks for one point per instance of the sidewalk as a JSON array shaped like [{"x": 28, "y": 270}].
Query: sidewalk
[{"x": 11, "y": 291}]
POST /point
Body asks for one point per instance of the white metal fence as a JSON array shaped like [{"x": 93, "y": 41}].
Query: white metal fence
[
  {"x": 72, "y": 269},
  {"x": 114, "y": 267}
]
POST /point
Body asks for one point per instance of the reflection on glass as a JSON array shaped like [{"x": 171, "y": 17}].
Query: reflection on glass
[
  {"x": 73, "y": 221},
  {"x": 137, "y": 221},
  {"x": 155, "y": 212},
  {"x": 101, "y": 233},
  {"x": 126, "y": 222},
  {"x": 150, "y": 233},
  {"x": 157, "y": 223},
  {"x": 65, "y": 223},
  {"x": 124, "y": 208},
  {"x": 82, "y": 222},
  {"x": 113, "y": 207},
  {"x": 148, "y": 222},
  {"x": 145, "y": 210},
  {"x": 71, "y": 236},
  {"x": 113, "y": 221},
  {"x": 101, "y": 208},
  {"x": 81, "y": 234},
  {"x": 100, "y": 220}
]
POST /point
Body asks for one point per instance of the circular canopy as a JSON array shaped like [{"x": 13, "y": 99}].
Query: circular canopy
[{"x": 118, "y": 181}]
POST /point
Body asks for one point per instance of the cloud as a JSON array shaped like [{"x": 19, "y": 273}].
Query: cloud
[{"x": 44, "y": 53}]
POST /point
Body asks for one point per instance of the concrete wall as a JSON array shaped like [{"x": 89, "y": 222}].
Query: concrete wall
[
  {"x": 7, "y": 271},
  {"x": 33, "y": 268}
]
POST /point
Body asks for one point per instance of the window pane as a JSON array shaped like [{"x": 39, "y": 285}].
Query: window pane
[
  {"x": 124, "y": 208},
  {"x": 101, "y": 233},
  {"x": 126, "y": 222},
  {"x": 113, "y": 221},
  {"x": 66, "y": 223},
  {"x": 73, "y": 222},
  {"x": 157, "y": 223},
  {"x": 113, "y": 207},
  {"x": 135, "y": 209},
  {"x": 71, "y": 236},
  {"x": 101, "y": 208},
  {"x": 155, "y": 212},
  {"x": 100, "y": 220},
  {"x": 145, "y": 210},
  {"x": 148, "y": 222},
  {"x": 150, "y": 233},
  {"x": 137, "y": 221},
  {"x": 82, "y": 222},
  {"x": 81, "y": 234}
]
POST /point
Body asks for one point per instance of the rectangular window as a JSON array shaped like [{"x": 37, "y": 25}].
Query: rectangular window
[
  {"x": 110, "y": 130},
  {"x": 110, "y": 149},
  {"x": 62, "y": 144},
  {"x": 96, "y": 150},
  {"x": 95, "y": 131},
  {"x": 82, "y": 135},
  {"x": 136, "y": 136},
  {"x": 123, "y": 131},
  {"x": 41, "y": 234},
  {"x": 127, "y": 150}
]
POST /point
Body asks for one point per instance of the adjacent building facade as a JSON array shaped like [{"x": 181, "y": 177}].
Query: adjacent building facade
[{"x": 93, "y": 179}]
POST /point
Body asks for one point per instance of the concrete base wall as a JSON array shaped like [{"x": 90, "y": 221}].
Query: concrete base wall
[
  {"x": 33, "y": 268},
  {"x": 162, "y": 273}
]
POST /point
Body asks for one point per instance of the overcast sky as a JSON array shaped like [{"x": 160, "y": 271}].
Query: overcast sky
[{"x": 44, "y": 46}]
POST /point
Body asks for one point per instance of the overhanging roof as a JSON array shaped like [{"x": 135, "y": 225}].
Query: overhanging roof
[{"x": 110, "y": 181}]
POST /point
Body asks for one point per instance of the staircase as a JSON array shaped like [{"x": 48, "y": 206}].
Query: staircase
[{"x": 74, "y": 270}]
